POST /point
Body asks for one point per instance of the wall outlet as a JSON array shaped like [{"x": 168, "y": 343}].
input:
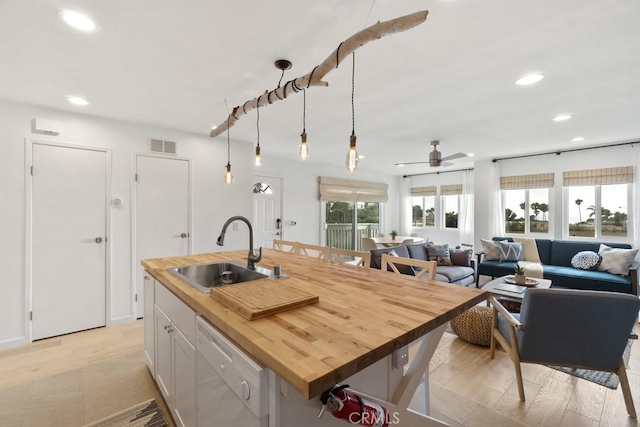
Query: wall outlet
[{"x": 401, "y": 357}]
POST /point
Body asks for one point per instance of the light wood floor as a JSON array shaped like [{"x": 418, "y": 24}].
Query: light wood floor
[
  {"x": 79, "y": 378},
  {"x": 75, "y": 379}
]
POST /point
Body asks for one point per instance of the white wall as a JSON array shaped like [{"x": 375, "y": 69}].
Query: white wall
[
  {"x": 302, "y": 203},
  {"x": 586, "y": 159},
  {"x": 213, "y": 201}
]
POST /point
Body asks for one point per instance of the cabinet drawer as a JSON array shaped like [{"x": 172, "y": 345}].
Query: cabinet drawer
[{"x": 181, "y": 315}]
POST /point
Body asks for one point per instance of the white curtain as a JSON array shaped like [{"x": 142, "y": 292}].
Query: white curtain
[
  {"x": 466, "y": 208},
  {"x": 405, "y": 207},
  {"x": 635, "y": 203},
  {"x": 497, "y": 214}
]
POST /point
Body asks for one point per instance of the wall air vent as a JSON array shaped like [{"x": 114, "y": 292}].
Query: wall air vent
[{"x": 160, "y": 146}]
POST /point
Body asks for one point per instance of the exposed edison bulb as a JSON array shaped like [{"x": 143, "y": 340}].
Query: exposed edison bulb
[
  {"x": 352, "y": 155},
  {"x": 228, "y": 176},
  {"x": 257, "y": 163},
  {"x": 304, "y": 150}
]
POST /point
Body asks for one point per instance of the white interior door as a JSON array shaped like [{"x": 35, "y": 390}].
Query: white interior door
[
  {"x": 267, "y": 210},
  {"x": 162, "y": 212},
  {"x": 68, "y": 239}
]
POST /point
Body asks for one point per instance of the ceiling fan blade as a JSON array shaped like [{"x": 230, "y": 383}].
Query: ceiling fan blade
[
  {"x": 411, "y": 163},
  {"x": 445, "y": 164},
  {"x": 455, "y": 156}
]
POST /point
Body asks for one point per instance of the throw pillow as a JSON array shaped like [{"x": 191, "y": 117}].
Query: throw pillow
[
  {"x": 491, "y": 251},
  {"x": 510, "y": 251},
  {"x": 439, "y": 253},
  {"x": 586, "y": 260},
  {"x": 529, "y": 247},
  {"x": 616, "y": 261},
  {"x": 461, "y": 257}
]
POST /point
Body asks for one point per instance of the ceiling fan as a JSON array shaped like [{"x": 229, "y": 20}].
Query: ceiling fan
[{"x": 436, "y": 159}]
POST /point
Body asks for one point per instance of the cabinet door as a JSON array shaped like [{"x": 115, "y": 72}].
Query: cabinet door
[
  {"x": 184, "y": 380},
  {"x": 164, "y": 356},
  {"x": 149, "y": 323}
]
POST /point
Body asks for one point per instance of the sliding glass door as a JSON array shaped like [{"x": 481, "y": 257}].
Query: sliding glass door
[{"x": 347, "y": 223}]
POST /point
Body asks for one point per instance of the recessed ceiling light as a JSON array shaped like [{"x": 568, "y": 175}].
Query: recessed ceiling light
[
  {"x": 77, "y": 100},
  {"x": 529, "y": 79},
  {"x": 470, "y": 154},
  {"x": 77, "y": 20},
  {"x": 578, "y": 139},
  {"x": 361, "y": 156},
  {"x": 400, "y": 165},
  {"x": 562, "y": 117},
  {"x": 214, "y": 127}
]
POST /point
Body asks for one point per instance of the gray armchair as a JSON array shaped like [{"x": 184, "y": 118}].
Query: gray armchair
[{"x": 565, "y": 327}]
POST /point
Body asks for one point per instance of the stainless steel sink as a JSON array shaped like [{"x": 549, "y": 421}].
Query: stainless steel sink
[{"x": 206, "y": 276}]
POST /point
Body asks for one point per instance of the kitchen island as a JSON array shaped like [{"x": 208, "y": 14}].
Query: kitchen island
[{"x": 363, "y": 316}]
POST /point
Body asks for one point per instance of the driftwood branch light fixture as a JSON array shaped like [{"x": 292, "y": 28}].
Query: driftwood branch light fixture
[{"x": 315, "y": 77}]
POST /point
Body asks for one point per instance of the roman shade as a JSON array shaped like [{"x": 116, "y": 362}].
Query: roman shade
[
  {"x": 350, "y": 190},
  {"x": 619, "y": 175},
  {"x": 451, "y": 190},
  {"x": 423, "y": 191},
  {"x": 518, "y": 182}
]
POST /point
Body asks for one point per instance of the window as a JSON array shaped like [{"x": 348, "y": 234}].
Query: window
[
  {"x": 597, "y": 202},
  {"x": 450, "y": 202},
  {"x": 526, "y": 211},
  {"x": 451, "y": 207},
  {"x": 526, "y": 203},
  {"x": 598, "y": 210},
  {"x": 424, "y": 211}
]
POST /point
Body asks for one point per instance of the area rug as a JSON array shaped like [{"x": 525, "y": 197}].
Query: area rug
[
  {"x": 145, "y": 414},
  {"x": 607, "y": 379}
]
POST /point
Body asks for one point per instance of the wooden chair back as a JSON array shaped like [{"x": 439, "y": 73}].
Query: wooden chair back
[
  {"x": 427, "y": 268},
  {"x": 286, "y": 246},
  {"x": 347, "y": 256},
  {"x": 314, "y": 251}
]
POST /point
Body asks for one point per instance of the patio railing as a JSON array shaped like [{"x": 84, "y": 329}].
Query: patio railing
[{"x": 340, "y": 235}]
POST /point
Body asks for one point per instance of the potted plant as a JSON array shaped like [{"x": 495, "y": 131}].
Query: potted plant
[
  {"x": 393, "y": 234},
  {"x": 519, "y": 276}
]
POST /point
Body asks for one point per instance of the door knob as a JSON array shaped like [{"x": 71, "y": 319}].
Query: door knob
[
  {"x": 184, "y": 235},
  {"x": 277, "y": 233},
  {"x": 98, "y": 239}
]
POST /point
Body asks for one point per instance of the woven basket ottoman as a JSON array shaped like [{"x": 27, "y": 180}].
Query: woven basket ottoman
[{"x": 474, "y": 325}]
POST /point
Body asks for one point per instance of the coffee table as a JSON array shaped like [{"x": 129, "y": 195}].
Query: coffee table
[{"x": 490, "y": 287}]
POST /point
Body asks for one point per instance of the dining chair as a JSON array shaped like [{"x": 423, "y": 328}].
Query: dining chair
[
  {"x": 286, "y": 246},
  {"x": 314, "y": 251},
  {"x": 420, "y": 267},
  {"x": 407, "y": 242},
  {"x": 567, "y": 327},
  {"x": 347, "y": 256},
  {"x": 380, "y": 235},
  {"x": 368, "y": 244}
]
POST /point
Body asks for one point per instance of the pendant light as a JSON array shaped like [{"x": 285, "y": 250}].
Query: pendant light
[
  {"x": 257, "y": 162},
  {"x": 304, "y": 150},
  {"x": 228, "y": 177},
  {"x": 352, "y": 159}
]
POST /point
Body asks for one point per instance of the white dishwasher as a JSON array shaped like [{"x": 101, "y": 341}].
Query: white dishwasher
[{"x": 232, "y": 388}]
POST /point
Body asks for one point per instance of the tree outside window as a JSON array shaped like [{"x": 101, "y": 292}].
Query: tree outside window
[
  {"x": 424, "y": 211},
  {"x": 451, "y": 208},
  {"x": 598, "y": 210},
  {"x": 526, "y": 211}
]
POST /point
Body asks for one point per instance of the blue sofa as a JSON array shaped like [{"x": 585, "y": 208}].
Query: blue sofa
[
  {"x": 556, "y": 258},
  {"x": 462, "y": 272}
]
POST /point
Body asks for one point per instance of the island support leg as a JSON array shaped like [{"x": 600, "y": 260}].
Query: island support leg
[{"x": 398, "y": 407}]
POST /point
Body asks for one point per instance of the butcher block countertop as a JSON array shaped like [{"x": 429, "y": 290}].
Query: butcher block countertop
[{"x": 362, "y": 316}]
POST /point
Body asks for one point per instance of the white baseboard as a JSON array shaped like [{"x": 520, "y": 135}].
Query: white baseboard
[
  {"x": 12, "y": 342},
  {"x": 121, "y": 320}
]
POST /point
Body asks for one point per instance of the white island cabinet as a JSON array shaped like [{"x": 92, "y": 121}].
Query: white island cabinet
[{"x": 171, "y": 355}]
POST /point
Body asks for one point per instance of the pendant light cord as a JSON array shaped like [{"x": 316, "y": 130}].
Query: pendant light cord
[
  {"x": 281, "y": 76},
  {"x": 353, "y": 83},
  {"x": 228, "y": 144},
  {"x": 258, "y": 121},
  {"x": 304, "y": 111}
]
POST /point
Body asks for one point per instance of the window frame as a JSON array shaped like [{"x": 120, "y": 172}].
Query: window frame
[
  {"x": 527, "y": 213},
  {"x": 443, "y": 214},
  {"x": 598, "y": 216},
  {"x": 424, "y": 215}
]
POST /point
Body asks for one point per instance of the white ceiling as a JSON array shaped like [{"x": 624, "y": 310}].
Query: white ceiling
[{"x": 172, "y": 63}]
